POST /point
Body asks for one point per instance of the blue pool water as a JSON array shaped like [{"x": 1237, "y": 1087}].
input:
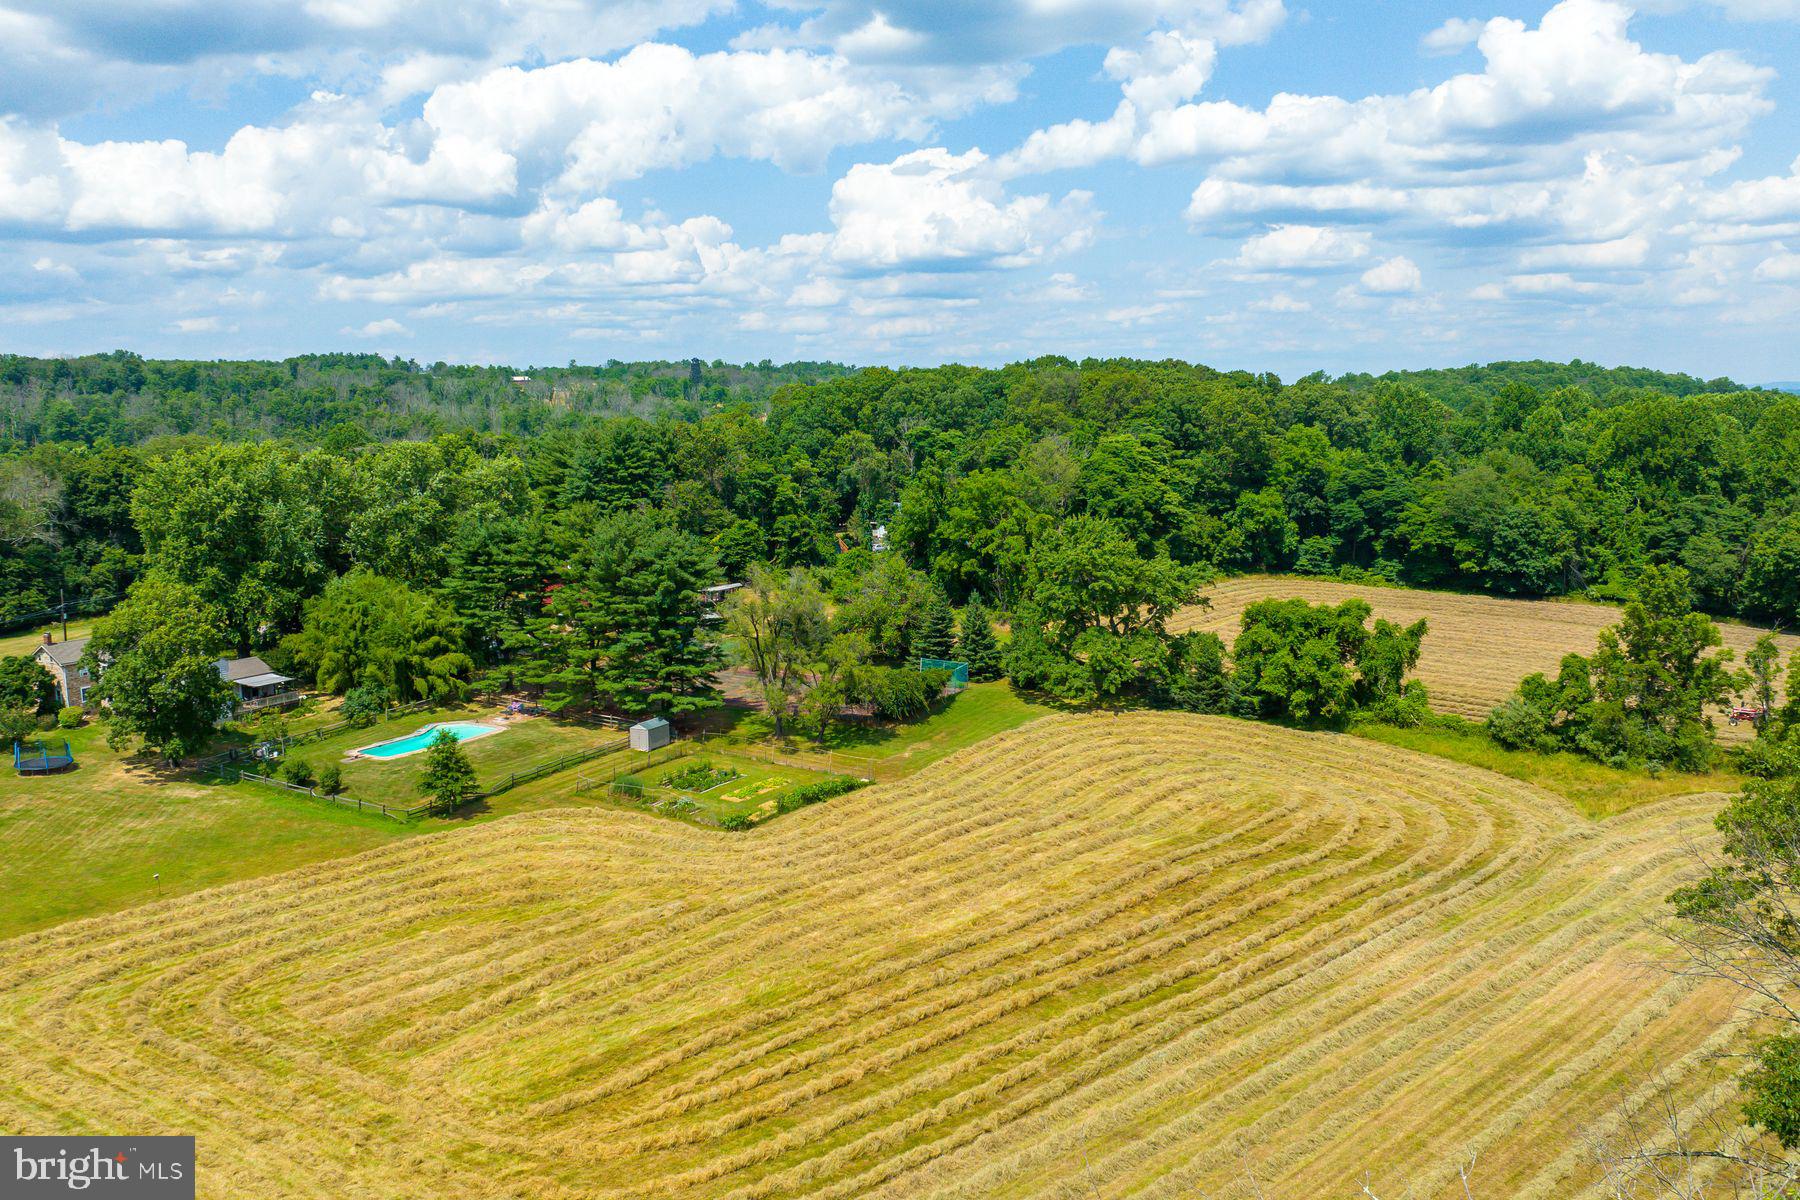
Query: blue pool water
[{"x": 413, "y": 743}]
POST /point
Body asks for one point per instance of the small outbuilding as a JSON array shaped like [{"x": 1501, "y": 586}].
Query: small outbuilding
[
  {"x": 713, "y": 598},
  {"x": 653, "y": 734}
]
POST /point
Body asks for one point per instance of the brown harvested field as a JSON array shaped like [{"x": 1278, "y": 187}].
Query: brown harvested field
[
  {"x": 1477, "y": 648},
  {"x": 1094, "y": 956}
]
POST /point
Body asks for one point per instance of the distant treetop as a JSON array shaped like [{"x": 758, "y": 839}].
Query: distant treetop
[{"x": 1458, "y": 386}]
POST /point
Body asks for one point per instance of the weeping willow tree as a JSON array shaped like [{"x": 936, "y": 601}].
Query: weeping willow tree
[{"x": 367, "y": 630}]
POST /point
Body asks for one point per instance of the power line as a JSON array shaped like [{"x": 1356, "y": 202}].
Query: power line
[{"x": 62, "y": 611}]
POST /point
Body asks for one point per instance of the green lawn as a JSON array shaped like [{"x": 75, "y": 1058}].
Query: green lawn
[
  {"x": 14, "y": 644},
  {"x": 753, "y": 793},
  {"x": 894, "y": 750},
  {"x": 90, "y": 841},
  {"x": 1595, "y": 789},
  {"x": 518, "y": 747}
]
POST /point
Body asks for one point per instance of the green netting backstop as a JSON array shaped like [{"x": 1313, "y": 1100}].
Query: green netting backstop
[{"x": 959, "y": 671}]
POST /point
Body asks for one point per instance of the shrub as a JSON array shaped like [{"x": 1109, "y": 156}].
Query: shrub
[
  {"x": 814, "y": 793},
  {"x": 899, "y": 693},
  {"x": 1408, "y": 710},
  {"x": 735, "y": 822},
  {"x": 71, "y": 717},
  {"x": 365, "y": 703},
  {"x": 331, "y": 779},
  {"x": 16, "y": 725},
  {"x": 298, "y": 772},
  {"x": 1193, "y": 677},
  {"x": 1519, "y": 725},
  {"x": 1771, "y": 757}
]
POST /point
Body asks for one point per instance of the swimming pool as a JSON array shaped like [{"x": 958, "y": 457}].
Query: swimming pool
[{"x": 463, "y": 731}]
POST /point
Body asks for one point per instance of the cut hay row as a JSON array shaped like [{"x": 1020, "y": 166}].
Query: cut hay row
[
  {"x": 1135, "y": 951},
  {"x": 1477, "y": 648}
]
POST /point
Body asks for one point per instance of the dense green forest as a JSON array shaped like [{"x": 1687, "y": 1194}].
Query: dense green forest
[{"x": 1516, "y": 478}]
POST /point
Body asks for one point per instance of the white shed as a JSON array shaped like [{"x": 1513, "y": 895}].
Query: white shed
[{"x": 653, "y": 734}]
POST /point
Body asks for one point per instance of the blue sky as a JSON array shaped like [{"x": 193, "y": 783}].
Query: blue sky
[{"x": 1248, "y": 183}]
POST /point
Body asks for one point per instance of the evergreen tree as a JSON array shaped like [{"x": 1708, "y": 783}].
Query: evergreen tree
[
  {"x": 624, "y": 629},
  {"x": 449, "y": 777},
  {"x": 976, "y": 643},
  {"x": 936, "y": 635},
  {"x": 495, "y": 580}
]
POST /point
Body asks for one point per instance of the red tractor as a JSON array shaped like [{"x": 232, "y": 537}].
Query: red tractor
[{"x": 1748, "y": 712}]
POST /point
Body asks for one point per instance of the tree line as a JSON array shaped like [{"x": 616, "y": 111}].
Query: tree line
[
  {"x": 1078, "y": 505},
  {"x": 1515, "y": 479}
]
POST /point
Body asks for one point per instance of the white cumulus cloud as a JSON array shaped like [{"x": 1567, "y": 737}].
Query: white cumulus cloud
[
  {"x": 1454, "y": 35},
  {"x": 935, "y": 210},
  {"x": 383, "y": 327},
  {"x": 1302, "y": 248},
  {"x": 1395, "y": 276}
]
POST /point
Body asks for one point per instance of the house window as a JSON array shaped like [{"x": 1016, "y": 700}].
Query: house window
[{"x": 84, "y": 692}]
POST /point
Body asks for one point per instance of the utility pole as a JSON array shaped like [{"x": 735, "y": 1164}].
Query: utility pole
[{"x": 62, "y": 595}]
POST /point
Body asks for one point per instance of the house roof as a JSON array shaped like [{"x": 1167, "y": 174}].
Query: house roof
[
  {"x": 263, "y": 680},
  {"x": 241, "y": 670},
  {"x": 65, "y": 654}
]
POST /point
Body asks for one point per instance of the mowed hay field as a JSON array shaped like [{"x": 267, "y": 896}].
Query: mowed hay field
[
  {"x": 1477, "y": 647},
  {"x": 1094, "y": 956}
]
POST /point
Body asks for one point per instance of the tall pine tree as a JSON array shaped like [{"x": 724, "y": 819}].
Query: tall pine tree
[
  {"x": 936, "y": 637},
  {"x": 976, "y": 644},
  {"x": 623, "y": 631}
]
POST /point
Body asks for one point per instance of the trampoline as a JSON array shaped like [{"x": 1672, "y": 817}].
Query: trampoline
[{"x": 39, "y": 759}]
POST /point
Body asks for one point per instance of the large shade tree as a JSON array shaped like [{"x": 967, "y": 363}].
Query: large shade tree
[
  {"x": 780, "y": 629},
  {"x": 157, "y": 662},
  {"x": 1092, "y": 623},
  {"x": 366, "y": 630},
  {"x": 241, "y": 527}
]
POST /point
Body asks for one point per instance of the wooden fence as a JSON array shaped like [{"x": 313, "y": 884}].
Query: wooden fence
[
  {"x": 386, "y": 810},
  {"x": 553, "y": 766},
  {"x": 225, "y": 761},
  {"x": 631, "y": 765}
]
